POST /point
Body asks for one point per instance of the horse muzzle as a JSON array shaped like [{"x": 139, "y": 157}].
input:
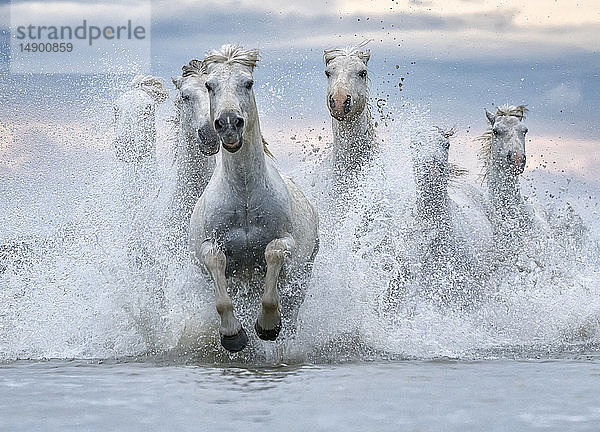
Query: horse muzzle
[
  {"x": 516, "y": 161},
  {"x": 340, "y": 105},
  {"x": 208, "y": 140},
  {"x": 229, "y": 127}
]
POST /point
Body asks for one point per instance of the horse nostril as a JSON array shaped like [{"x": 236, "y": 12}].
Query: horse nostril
[
  {"x": 347, "y": 104},
  {"x": 239, "y": 123},
  {"x": 218, "y": 124},
  {"x": 331, "y": 102}
]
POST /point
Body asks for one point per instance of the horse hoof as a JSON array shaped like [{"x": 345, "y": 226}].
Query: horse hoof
[
  {"x": 269, "y": 335},
  {"x": 236, "y": 342}
]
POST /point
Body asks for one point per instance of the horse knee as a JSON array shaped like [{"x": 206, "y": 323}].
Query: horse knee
[
  {"x": 278, "y": 249},
  {"x": 213, "y": 257},
  {"x": 274, "y": 256}
]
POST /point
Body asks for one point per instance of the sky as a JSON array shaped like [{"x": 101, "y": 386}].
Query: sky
[{"x": 454, "y": 58}]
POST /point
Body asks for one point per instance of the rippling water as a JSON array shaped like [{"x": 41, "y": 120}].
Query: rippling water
[{"x": 493, "y": 395}]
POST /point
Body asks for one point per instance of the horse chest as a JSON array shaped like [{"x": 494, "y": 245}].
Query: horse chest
[{"x": 245, "y": 226}]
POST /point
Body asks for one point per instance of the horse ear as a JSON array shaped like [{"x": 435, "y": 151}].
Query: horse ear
[
  {"x": 177, "y": 81},
  {"x": 365, "y": 56},
  {"x": 491, "y": 117}
]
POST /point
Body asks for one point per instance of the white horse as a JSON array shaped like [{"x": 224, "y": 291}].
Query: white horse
[
  {"x": 249, "y": 217},
  {"x": 432, "y": 174},
  {"x": 135, "y": 146},
  {"x": 196, "y": 143},
  {"x": 348, "y": 103},
  {"x": 503, "y": 155},
  {"x": 135, "y": 110},
  {"x": 446, "y": 259}
]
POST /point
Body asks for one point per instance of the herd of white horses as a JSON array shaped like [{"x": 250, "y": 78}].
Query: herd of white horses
[{"x": 245, "y": 222}]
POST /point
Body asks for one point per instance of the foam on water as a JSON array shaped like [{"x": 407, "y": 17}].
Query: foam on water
[{"x": 104, "y": 286}]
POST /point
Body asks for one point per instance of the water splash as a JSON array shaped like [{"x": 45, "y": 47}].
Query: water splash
[{"x": 75, "y": 292}]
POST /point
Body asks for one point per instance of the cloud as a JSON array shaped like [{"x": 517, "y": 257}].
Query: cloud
[
  {"x": 451, "y": 29},
  {"x": 564, "y": 95},
  {"x": 472, "y": 30}
]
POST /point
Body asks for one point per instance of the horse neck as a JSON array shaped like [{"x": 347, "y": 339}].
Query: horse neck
[
  {"x": 193, "y": 168},
  {"x": 193, "y": 173},
  {"x": 433, "y": 203},
  {"x": 505, "y": 192},
  {"x": 248, "y": 165},
  {"x": 353, "y": 141}
]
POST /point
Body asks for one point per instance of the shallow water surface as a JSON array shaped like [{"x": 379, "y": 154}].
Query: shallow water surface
[{"x": 490, "y": 395}]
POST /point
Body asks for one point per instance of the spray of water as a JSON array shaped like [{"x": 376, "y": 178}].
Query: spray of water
[{"x": 103, "y": 285}]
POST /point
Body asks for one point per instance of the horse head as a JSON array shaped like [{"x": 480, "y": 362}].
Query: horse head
[
  {"x": 506, "y": 138},
  {"x": 348, "y": 82},
  {"x": 432, "y": 171},
  {"x": 229, "y": 84},
  {"x": 135, "y": 131},
  {"x": 194, "y": 107}
]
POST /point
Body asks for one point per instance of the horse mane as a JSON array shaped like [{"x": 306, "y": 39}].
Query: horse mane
[
  {"x": 355, "y": 50},
  {"x": 194, "y": 67},
  {"x": 455, "y": 171},
  {"x": 446, "y": 133},
  {"x": 232, "y": 54},
  {"x": 485, "y": 140},
  {"x": 266, "y": 148},
  {"x": 152, "y": 85},
  {"x": 518, "y": 111}
]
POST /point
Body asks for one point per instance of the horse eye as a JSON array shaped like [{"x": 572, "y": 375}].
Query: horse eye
[
  {"x": 249, "y": 84},
  {"x": 525, "y": 130},
  {"x": 362, "y": 73},
  {"x": 208, "y": 86},
  {"x": 185, "y": 97},
  {"x": 447, "y": 145},
  {"x": 327, "y": 73}
]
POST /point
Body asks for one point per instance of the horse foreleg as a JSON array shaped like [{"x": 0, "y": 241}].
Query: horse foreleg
[
  {"x": 233, "y": 335},
  {"x": 268, "y": 323}
]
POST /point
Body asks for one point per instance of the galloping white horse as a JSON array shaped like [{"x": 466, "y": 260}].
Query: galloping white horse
[
  {"x": 503, "y": 154},
  {"x": 249, "y": 217},
  {"x": 433, "y": 173},
  {"x": 135, "y": 130},
  {"x": 348, "y": 103},
  {"x": 135, "y": 145},
  {"x": 197, "y": 142},
  {"x": 445, "y": 258}
]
